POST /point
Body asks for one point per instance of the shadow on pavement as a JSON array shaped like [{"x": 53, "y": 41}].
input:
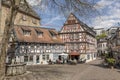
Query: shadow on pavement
[
  {"x": 118, "y": 71},
  {"x": 99, "y": 65}
]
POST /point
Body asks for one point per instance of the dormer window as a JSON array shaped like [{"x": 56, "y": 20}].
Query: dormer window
[
  {"x": 39, "y": 33},
  {"x": 24, "y": 18},
  {"x": 53, "y": 34},
  {"x": 26, "y": 32}
]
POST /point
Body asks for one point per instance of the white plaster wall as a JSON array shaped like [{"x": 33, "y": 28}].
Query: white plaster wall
[
  {"x": 34, "y": 59},
  {"x": 21, "y": 58}
]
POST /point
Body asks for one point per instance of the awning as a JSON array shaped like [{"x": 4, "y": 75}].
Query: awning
[{"x": 74, "y": 54}]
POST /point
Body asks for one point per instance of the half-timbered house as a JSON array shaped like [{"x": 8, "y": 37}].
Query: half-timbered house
[
  {"x": 79, "y": 39},
  {"x": 36, "y": 45}
]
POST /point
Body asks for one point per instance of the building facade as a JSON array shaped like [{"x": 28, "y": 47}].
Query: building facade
[
  {"x": 114, "y": 44},
  {"x": 111, "y": 31},
  {"x": 35, "y": 45},
  {"x": 25, "y": 16},
  {"x": 79, "y": 39},
  {"x": 102, "y": 46},
  {"x": 99, "y": 31}
]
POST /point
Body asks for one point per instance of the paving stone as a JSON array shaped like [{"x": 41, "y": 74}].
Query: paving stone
[{"x": 89, "y": 71}]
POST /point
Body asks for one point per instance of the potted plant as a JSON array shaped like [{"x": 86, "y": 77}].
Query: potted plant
[{"x": 111, "y": 62}]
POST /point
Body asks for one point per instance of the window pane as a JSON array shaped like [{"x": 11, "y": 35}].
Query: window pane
[
  {"x": 31, "y": 58},
  {"x": 43, "y": 57},
  {"x": 37, "y": 59},
  {"x": 25, "y": 58},
  {"x": 47, "y": 57},
  {"x": 88, "y": 56}
]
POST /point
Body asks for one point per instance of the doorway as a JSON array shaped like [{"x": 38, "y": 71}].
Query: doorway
[{"x": 37, "y": 59}]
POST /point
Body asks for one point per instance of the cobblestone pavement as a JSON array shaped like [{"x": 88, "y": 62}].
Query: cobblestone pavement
[{"x": 88, "y": 71}]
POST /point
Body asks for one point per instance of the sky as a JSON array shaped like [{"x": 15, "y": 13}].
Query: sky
[{"x": 108, "y": 15}]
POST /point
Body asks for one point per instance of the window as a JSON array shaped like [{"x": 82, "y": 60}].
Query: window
[
  {"x": 75, "y": 46},
  {"x": 103, "y": 45},
  {"x": 71, "y": 21},
  {"x": 26, "y": 32},
  {"x": 76, "y": 36},
  {"x": 37, "y": 59},
  {"x": 48, "y": 46},
  {"x": 43, "y": 57},
  {"x": 88, "y": 56},
  {"x": 24, "y": 17},
  {"x": 32, "y": 49},
  {"x": 40, "y": 34},
  {"x": 94, "y": 55},
  {"x": 47, "y": 57},
  {"x": 25, "y": 58},
  {"x": 72, "y": 36},
  {"x": 31, "y": 58},
  {"x": 22, "y": 49},
  {"x": 53, "y": 34}
]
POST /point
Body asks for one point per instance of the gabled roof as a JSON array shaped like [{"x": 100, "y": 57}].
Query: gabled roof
[
  {"x": 33, "y": 38},
  {"x": 24, "y": 7},
  {"x": 85, "y": 27}
]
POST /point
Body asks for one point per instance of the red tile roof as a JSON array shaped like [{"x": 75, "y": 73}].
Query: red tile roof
[{"x": 46, "y": 38}]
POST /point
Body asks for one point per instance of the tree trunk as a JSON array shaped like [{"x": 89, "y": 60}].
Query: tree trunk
[{"x": 9, "y": 25}]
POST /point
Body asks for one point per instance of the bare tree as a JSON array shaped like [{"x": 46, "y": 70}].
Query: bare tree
[
  {"x": 9, "y": 24},
  {"x": 84, "y": 8},
  {"x": 78, "y": 6}
]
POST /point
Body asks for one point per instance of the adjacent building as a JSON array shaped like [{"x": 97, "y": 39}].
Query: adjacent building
[
  {"x": 102, "y": 47},
  {"x": 114, "y": 44},
  {"x": 111, "y": 31},
  {"x": 79, "y": 39},
  {"x": 99, "y": 31}
]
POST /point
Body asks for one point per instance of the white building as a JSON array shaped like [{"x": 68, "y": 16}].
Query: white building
[
  {"x": 102, "y": 46},
  {"x": 99, "y": 31}
]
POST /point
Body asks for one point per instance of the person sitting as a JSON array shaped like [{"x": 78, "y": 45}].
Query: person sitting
[{"x": 50, "y": 62}]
